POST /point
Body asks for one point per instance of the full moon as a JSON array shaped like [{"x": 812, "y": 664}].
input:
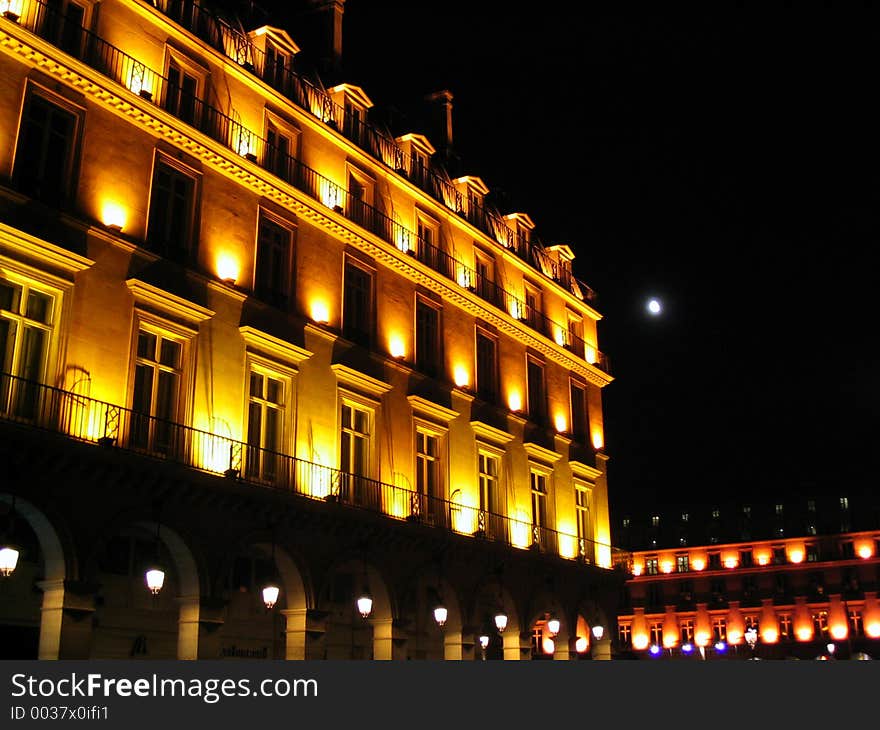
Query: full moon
[{"x": 654, "y": 307}]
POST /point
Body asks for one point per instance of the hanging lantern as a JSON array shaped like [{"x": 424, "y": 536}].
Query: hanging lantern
[
  {"x": 501, "y": 621},
  {"x": 271, "y": 591},
  {"x": 365, "y": 603},
  {"x": 155, "y": 577},
  {"x": 8, "y": 559},
  {"x": 553, "y": 626},
  {"x": 440, "y": 614}
]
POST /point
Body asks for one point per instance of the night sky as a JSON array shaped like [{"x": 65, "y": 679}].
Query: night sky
[{"x": 724, "y": 162}]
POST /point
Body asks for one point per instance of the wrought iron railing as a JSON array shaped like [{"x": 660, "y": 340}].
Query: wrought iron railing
[
  {"x": 169, "y": 94},
  {"x": 86, "y": 419},
  {"x": 309, "y": 95}
]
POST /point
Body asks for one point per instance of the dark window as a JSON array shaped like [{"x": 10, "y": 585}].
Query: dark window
[
  {"x": 655, "y": 594},
  {"x": 779, "y": 556},
  {"x": 180, "y": 96},
  {"x": 537, "y": 396},
  {"x": 357, "y": 305},
  {"x": 714, "y": 561},
  {"x": 745, "y": 559},
  {"x": 44, "y": 159},
  {"x": 578, "y": 411},
  {"x": 279, "y": 153},
  {"x": 847, "y": 550},
  {"x": 274, "y": 68},
  {"x": 487, "y": 368},
  {"x": 64, "y": 26},
  {"x": 427, "y": 338},
  {"x": 272, "y": 279},
  {"x": 169, "y": 230}
]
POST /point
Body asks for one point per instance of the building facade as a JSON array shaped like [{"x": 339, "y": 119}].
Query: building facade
[
  {"x": 252, "y": 338},
  {"x": 793, "y": 579}
]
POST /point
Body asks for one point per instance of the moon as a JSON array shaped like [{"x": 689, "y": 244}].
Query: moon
[{"x": 654, "y": 307}]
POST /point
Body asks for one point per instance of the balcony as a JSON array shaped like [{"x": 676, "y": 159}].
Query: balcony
[
  {"x": 111, "y": 426},
  {"x": 379, "y": 143}
]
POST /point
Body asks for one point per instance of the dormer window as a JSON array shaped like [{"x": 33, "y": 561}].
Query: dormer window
[
  {"x": 353, "y": 103},
  {"x": 273, "y": 51},
  {"x": 275, "y": 66},
  {"x": 473, "y": 190},
  {"x": 520, "y": 228}
]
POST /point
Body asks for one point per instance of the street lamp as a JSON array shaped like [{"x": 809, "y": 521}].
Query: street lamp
[
  {"x": 751, "y": 637},
  {"x": 553, "y": 626},
  {"x": 501, "y": 620},
  {"x": 440, "y": 613},
  {"x": 9, "y": 552}
]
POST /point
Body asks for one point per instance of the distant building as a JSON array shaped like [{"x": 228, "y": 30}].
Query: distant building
[
  {"x": 803, "y": 574},
  {"x": 251, "y": 339}
]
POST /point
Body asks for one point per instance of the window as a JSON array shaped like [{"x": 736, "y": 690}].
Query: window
[
  {"x": 172, "y": 206},
  {"x": 427, "y": 250},
  {"x": 537, "y": 393},
  {"x": 779, "y": 556},
  {"x": 275, "y": 66},
  {"x": 487, "y": 367},
  {"x": 491, "y": 507},
  {"x": 584, "y": 524},
  {"x": 655, "y": 520},
  {"x": 820, "y": 623},
  {"x": 272, "y": 280},
  {"x": 156, "y": 395},
  {"x": 655, "y": 595},
  {"x": 265, "y": 427},
  {"x": 353, "y": 122},
  {"x": 847, "y": 550},
  {"x": 484, "y": 283},
  {"x": 540, "y": 535},
  {"x": 781, "y": 583},
  {"x": 652, "y": 566},
  {"x": 747, "y": 511},
  {"x": 360, "y": 199},
  {"x": 749, "y": 588},
  {"x": 686, "y": 631},
  {"x": 533, "y": 314},
  {"x": 719, "y": 628},
  {"x": 716, "y": 514},
  {"x": 27, "y": 315},
  {"x": 718, "y": 589},
  {"x": 856, "y": 625},
  {"x": 714, "y": 561},
  {"x": 355, "y": 452},
  {"x": 624, "y": 634},
  {"x": 625, "y": 522},
  {"x": 779, "y": 510},
  {"x": 686, "y": 591},
  {"x": 745, "y": 559},
  {"x": 811, "y": 505},
  {"x": 844, "y": 504},
  {"x": 812, "y": 553},
  {"x": 657, "y": 633},
  {"x": 685, "y": 516},
  {"x": 785, "y": 626},
  {"x": 182, "y": 91},
  {"x": 357, "y": 305},
  {"x": 752, "y": 622},
  {"x": 578, "y": 410},
  {"x": 44, "y": 159},
  {"x": 280, "y": 150},
  {"x": 63, "y": 25},
  {"x": 427, "y": 337},
  {"x": 429, "y": 485},
  {"x": 682, "y": 564},
  {"x": 575, "y": 335}
]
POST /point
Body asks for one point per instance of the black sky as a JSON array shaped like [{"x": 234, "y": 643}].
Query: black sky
[{"x": 724, "y": 161}]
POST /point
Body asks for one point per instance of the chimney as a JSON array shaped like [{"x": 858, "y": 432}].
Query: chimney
[
  {"x": 328, "y": 14},
  {"x": 443, "y": 103}
]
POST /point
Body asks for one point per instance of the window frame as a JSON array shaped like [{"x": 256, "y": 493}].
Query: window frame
[
  {"x": 365, "y": 339},
  {"x": 283, "y": 299},
  {"x": 190, "y": 247}
]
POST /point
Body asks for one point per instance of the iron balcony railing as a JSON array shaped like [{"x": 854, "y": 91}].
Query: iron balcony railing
[
  {"x": 169, "y": 94},
  {"x": 86, "y": 419},
  {"x": 276, "y": 70}
]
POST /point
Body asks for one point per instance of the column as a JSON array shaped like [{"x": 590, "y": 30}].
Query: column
[
  {"x": 66, "y": 620},
  {"x": 188, "y": 627}
]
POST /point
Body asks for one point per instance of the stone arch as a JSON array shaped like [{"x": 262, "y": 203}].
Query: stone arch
[
  {"x": 426, "y": 587},
  {"x": 55, "y": 627},
  {"x": 490, "y": 595},
  {"x": 543, "y": 605}
]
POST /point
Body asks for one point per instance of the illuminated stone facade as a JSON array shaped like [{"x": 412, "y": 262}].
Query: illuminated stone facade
[
  {"x": 250, "y": 336},
  {"x": 804, "y": 576}
]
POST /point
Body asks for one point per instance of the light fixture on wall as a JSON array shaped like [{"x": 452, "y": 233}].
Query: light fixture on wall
[
  {"x": 553, "y": 625},
  {"x": 155, "y": 574},
  {"x": 9, "y": 551},
  {"x": 365, "y": 599},
  {"x": 271, "y": 590}
]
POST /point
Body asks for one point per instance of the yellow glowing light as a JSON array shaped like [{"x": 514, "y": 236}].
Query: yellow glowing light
[
  {"x": 698, "y": 563},
  {"x": 865, "y": 551},
  {"x": 598, "y": 439},
  {"x": 796, "y": 555},
  {"x": 514, "y": 401},
  {"x": 640, "y": 641},
  {"x": 769, "y": 635},
  {"x": 227, "y": 267},
  {"x": 330, "y": 194},
  {"x": 838, "y": 631},
  {"x": 669, "y": 640},
  {"x": 548, "y": 645},
  {"x": 730, "y": 562},
  {"x": 12, "y": 7},
  {"x": 873, "y": 629},
  {"x": 516, "y": 308},
  {"x": 213, "y": 452},
  {"x": 567, "y": 545},
  {"x": 461, "y": 376},
  {"x": 701, "y": 638},
  {"x": 113, "y": 215},
  {"x": 396, "y": 346},
  {"x": 559, "y": 336},
  {"x": 638, "y": 568},
  {"x": 520, "y": 530},
  {"x": 320, "y": 312},
  {"x": 139, "y": 81},
  {"x": 242, "y": 141},
  {"x": 561, "y": 423},
  {"x": 804, "y": 633},
  {"x": 318, "y": 480},
  {"x": 666, "y": 566},
  {"x": 581, "y": 644},
  {"x": 402, "y": 239},
  {"x": 463, "y": 276},
  {"x": 590, "y": 354},
  {"x": 734, "y": 636},
  {"x": 464, "y": 516},
  {"x": 763, "y": 559},
  {"x": 603, "y": 553}
]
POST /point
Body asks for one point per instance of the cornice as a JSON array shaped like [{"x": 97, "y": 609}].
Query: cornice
[
  {"x": 43, "y": 251},
  {"x": 274, "y": 346}
]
